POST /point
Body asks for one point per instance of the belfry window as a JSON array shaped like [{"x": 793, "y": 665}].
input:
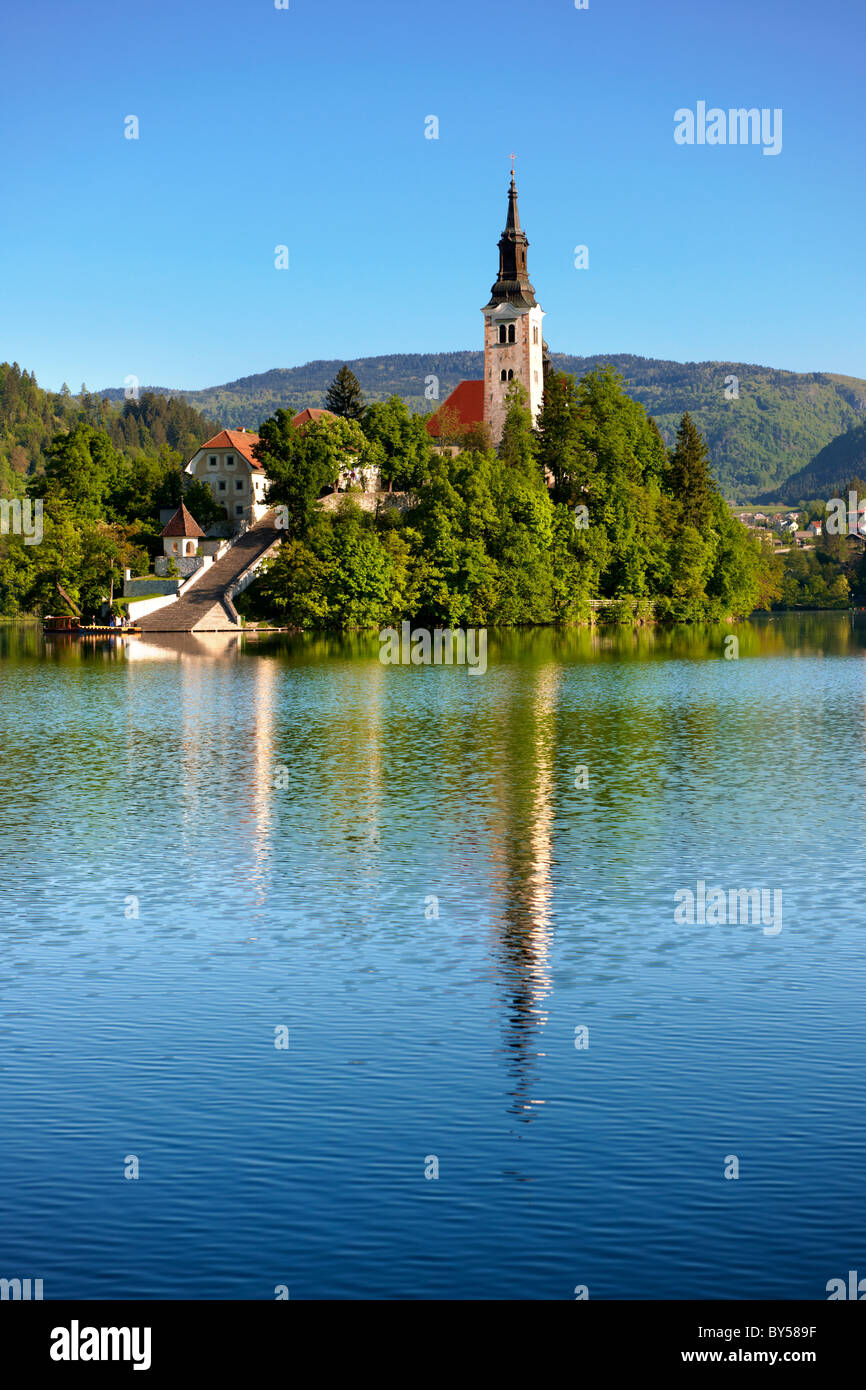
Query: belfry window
[
  {"x": 511, "y": 333},
  {"x": 503, "y": 333},
  {"x": 535, "y": 334},
  {"x": 503, "y": 375},
  {"x": 510, "y": 375}
]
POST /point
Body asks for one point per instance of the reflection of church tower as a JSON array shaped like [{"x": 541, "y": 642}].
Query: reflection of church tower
[
  {"x": 523, "y": 854},
  {"x": 514, "y": 349}
]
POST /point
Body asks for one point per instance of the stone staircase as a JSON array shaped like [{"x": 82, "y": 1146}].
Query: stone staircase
[{"x": 206, "y": 606}]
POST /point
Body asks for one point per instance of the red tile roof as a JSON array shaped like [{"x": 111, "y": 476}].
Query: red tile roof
[
  {"x": 311, "y": 414},
  {"x": 466, "y": 402},
  {"x": 241, "y": 441},
  {"x": 183, "y": 523}
]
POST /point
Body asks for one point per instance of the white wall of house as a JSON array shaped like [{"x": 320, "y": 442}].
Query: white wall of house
[
  {"x": 177, "y": 546},
  {"x": 235, "y": 484}
]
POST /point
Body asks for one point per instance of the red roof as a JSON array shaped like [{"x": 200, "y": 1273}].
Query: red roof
[
  {"x": 310, "y": 415},
  {"x": 241, "y": 441},
  {"x": 183, "y": 523},
  {"x": 466, "y": 402}
]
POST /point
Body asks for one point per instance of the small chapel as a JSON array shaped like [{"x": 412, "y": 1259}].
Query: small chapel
[{"x": 514, "y": 346}]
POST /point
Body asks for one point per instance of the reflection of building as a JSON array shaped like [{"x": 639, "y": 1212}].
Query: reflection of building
[{"x": 523, "y": 855}]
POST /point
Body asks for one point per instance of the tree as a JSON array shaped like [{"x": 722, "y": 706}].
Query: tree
[
  {"x": 559, "y": 433},
  {"x": 302, "y": 463},
  {"x": 517, "y": 446},
  {"x": 689, "y": 478},
  {"x": 84, "y": 469},
  {"x": 344, "y": 395},
  {"x": 404, "y": 441}
]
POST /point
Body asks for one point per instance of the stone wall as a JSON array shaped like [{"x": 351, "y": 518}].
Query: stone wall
[
  {"x": 149, "y": 588},
  {"x": 375, "y": 502},
  {"x": 186, "y": 564}
]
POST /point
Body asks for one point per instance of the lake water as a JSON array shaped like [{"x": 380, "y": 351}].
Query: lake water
[{"x": 208, "y": 840}]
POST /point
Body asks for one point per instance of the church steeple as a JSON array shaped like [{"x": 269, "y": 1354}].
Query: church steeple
[
  {"x": 512, "y": 284},
  {"x": 514, "y": 346}
]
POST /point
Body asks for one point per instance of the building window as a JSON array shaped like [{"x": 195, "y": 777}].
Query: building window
[
  {"x": 535, "y": 374},
  {"x": 535, "y": 334},
  {"x": 211, "y": 463},
  {"x": 503, "y": 375},
  {"x": 510, "y": 375},
  {"x": 511, "y": 337},
  {"x": 239, "y": 482},
  {"x": 230, "y": 461},
  {"x": 503, "y": 333},
  {"x": 190, "y": 547},
  {"x": 239, "y": 510},
  {"x": 222, "y": 484}
]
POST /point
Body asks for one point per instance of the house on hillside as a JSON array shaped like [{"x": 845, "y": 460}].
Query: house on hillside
[
  {"x": 237, "y": 480},
  {"x": 311, "y": 415}
]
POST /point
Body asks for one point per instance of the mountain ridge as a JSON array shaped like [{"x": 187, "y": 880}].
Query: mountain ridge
[{"x": 767, "y": 433}]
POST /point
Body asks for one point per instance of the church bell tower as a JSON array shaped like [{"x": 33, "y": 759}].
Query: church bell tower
[{"x": 514, "y": 348}]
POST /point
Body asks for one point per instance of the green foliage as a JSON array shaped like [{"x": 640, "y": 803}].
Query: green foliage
[
  {"x": 30, "y": 418},
  {"x": 486, "y": 542},
  {"x": 823, "y": 475},
  {"x": 813, "y": 578},
  {"x": 399, "y": 443},
  {"x": 302, "y": 463},
  {"x": 517, "y": 448},
  {"x": 345, "y": 396},
  {"x": 688, "y": 475}
]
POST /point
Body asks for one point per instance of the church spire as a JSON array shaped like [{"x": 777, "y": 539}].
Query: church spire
[
  {"x": 512, "y": 284},
  {"x": 513, "y": 221}
]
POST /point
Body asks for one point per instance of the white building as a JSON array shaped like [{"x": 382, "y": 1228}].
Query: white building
[{"x": 233, "y": 474}]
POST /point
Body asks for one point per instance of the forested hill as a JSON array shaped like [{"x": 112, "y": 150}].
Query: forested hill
[
  {"x": 829, "y": 472},
  {"x": 772, "y": 430},
  {"x": 30, "y": 417}
]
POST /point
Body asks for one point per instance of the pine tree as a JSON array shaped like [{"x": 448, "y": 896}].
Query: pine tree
[
  {"x": 690, "y": 480},
  {"x": 345, "y": 396}
]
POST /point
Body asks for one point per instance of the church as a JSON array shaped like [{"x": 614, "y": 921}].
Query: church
[{"x": 514, "y": 347}]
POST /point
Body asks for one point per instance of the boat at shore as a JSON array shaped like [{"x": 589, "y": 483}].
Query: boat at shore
[{"x": 65, "y": 626}]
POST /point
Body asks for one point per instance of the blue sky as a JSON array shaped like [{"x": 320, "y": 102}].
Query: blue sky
[{"x": 305, "y": 127}]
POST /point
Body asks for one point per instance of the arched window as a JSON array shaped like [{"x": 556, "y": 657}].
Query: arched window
[
  {"x": 511, "y": 375},
  {"x": 503, "y": 336},
  {"x": 511, "y": 333},
  {"x": 503, "y": 375}
]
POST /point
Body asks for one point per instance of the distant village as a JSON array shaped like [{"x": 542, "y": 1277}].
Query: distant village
[{"x": 787, "y": 529}]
